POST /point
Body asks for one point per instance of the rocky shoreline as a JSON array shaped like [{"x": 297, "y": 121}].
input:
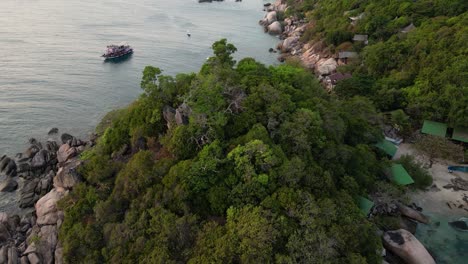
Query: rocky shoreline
[
  {"x": 312, "y": 55},
  {"x": 401, "y": 243},
  {"x": 46, "y": 172}
]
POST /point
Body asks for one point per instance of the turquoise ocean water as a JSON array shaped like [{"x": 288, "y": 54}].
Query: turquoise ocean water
[{"x": 446, "y": 244}]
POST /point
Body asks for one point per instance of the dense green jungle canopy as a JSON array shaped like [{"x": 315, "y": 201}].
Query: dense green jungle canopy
[
  {"x": 423, "y": 71},
  {"x": 266, "y": 169},
  {"x": 243, "y": 163}
]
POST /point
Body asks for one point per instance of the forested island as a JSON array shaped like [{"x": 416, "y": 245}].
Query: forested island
[{"x": 247, "y": 163}]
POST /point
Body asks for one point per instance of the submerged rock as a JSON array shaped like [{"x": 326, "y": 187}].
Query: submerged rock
[
  {"x": 459, "y": 225},
  {"x": 53, "y": 131}
]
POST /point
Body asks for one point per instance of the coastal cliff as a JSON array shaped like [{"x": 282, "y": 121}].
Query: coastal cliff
[{"x": 46, "y": 173}]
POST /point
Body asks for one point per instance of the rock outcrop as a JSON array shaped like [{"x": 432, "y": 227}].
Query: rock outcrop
[
  {"x": 66, "y": 152},
  {"x": 67, "y": 176},
  {"x": 9, "y": 185},
  {"x": 413, "y": 214},
  {"x": 313, "y": 55},
  {"x": 48, "y": 171},
  {"x": 275, "y": 28},
  {"x": 406, "y": 246}
]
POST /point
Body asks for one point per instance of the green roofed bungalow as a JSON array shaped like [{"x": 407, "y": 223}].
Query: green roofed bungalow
[
  {"x": 434, "y": 128},
  {"x": 460, "y": 134},
  {"x": 365, "y": 205},
  {"x": 400, "y": 175},
  {"x": 387, "y": 146}
]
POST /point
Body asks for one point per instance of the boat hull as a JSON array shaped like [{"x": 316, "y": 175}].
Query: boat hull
[{"x": 116, "y": 56}]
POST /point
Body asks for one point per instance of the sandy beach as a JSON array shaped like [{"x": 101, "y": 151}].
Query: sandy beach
[{"x": 437, "y": 200}]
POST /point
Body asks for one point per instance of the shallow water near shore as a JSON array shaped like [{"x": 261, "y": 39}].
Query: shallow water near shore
[
  {"x": 447, "y": 245},
  {"x": 52, "y": 75}
]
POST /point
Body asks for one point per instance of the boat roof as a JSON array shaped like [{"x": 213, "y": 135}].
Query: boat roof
[{"x": 118, "y": 45}]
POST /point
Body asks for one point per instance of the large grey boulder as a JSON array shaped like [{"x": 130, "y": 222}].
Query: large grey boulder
[
  {"x": 12, "y": 255},
  {"x": 66, "y": 152},
  {"x": 46, "y": 208},
  {"x": 27, "y": 194},
  {"x": 269, "y": 18},
  {"x": 58, "y": 252},
  {"x": 53, "y": 131},
  {"x": 4, "y": 162},
  {"x": 275, "y": 28},
  {"x": 406, "y": 246},
  {"x": 40, "y": 159},
  {"x": 68, "y": 175},
  {"x": 48, "y": 241},
  {"x": 3, "y": 254},
  {"x": 9, "y": 185},
  {"x": 413, "y": 214},
  {"x": 182, "y": 114},
  {"x": 52, "y": 146},
  {"x": 34, "y": 259},
  {"x": 8, "y": 166},
  {"x": 24, "y": 260},
  {"x": 4, "y": 233},
  {"x": 65, "y": 137},
  {"x": 288, "y": 43},
  {"x": 169, "y": 115},
  {"x": 325, "y": 67},
  {"x": 31, "y": 151}
]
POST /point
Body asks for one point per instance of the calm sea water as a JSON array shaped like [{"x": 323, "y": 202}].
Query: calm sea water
[
  {"x": 52, "y": 75},
  {"x": 51, "y": 72},
  {"x": 448, "y": 245}
]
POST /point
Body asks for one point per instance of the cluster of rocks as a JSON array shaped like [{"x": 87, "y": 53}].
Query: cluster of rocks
[
  {"x": 270, "y": 22},
  {"x": 314, "y": 56},
  {"x": 401, "y": 243},
  {"x": 457, "y": 184},
  {"x": 47, "y": 173},
  {"x": 179, "y": 116},
  {"x": 210, "y": 1}
]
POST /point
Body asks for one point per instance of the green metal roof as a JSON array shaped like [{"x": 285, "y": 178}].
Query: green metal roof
[
  {"x": 387, "y": 146},
  {"x": 400, "y": 175},
  {"x": 460, "y": 134},
  {"x": 434, "y": 128},
  {"x": 365, "y": 205}
]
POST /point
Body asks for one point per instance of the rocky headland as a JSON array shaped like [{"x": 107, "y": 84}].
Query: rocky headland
[
  {"x": 312, "y": 55},
  {"x": 42, "y": 175}
]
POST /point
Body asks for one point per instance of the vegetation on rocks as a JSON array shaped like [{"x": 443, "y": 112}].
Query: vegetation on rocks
[
  {"x": 265, "y": 168},
  {"x": 421, "y": 69}
]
